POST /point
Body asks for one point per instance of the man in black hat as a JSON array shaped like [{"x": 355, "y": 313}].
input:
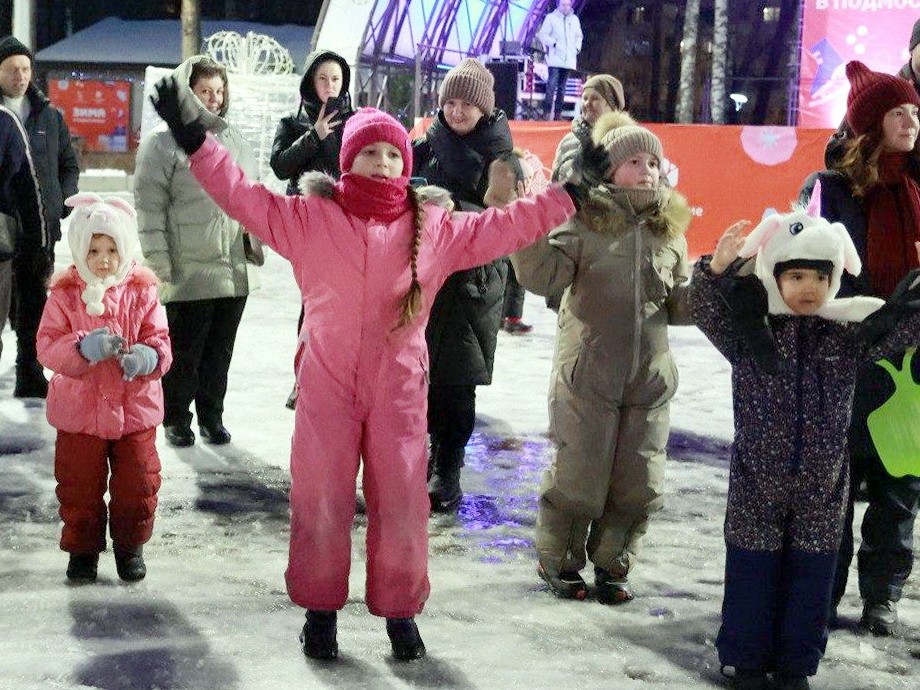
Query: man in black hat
[
  {"x": 58, "y": 172},
  {"x": 911, "y": 71},
  {"x": 20, "y": 198}
]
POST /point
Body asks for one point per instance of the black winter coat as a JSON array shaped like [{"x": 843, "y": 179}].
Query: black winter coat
[
  {"x": 19, "y": 190},
  {"x": 296, "y": 148},
  {"x": 463, "y": 328},
  {"x": 55, "y": 160}
]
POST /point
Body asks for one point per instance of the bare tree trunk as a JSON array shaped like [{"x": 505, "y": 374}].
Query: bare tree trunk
[
  {"x": 684, "y": 111},
  {"x": 719, "y": 59},
  {"x": 191, "y": 28},
  {"x": 779, "y": 48}
]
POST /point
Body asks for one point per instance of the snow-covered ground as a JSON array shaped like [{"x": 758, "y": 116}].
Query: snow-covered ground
[{"x": 213, "y": 613}]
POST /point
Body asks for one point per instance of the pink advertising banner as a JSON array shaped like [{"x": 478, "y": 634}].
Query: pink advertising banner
[{"x": 876, "y": 32}]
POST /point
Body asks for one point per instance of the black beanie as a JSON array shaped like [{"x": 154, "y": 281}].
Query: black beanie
[
  {"x": 10, "y": 45},
  {"x": 915, "y": 36}
]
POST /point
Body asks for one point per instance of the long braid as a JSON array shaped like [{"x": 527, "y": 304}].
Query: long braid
[{"x": 412, "y": 302}]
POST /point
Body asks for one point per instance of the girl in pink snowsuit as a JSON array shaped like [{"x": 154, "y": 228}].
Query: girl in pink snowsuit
[
  {"x": 368, "y": 259},
  {"x": 103, "y": 332}
]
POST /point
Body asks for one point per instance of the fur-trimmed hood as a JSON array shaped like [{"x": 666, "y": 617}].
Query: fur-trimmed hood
[{"x": 612, "y": 209}]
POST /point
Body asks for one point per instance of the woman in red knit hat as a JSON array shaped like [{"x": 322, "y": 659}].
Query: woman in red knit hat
[{"x": 874, "y": 191}]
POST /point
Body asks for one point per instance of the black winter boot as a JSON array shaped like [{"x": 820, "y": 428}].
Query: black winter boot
[
  {"x": 317, "y": 639},
  {"x": 748, "y": 679},
  {"x": 880, "y": 618},
  {"x": 444, "y": 486},
  {"x": 405, "y": 639},
  {"x": 30, "y": 381},
  {"x": 784, "y": 682},
  {"x": 567, "y": 584},
  {"x": 82, "y": 567},
  {"x": 129, "y": 562}
]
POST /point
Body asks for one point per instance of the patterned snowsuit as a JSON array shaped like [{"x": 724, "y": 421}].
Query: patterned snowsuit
[
  {"x": 364, "y": 381},
  {"x": 788, "y": 481}
]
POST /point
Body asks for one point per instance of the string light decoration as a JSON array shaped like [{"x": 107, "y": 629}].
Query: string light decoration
[{"x": 250, "y": 54}]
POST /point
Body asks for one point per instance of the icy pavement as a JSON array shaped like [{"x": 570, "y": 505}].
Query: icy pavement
[{"x": 213, "y": 614}]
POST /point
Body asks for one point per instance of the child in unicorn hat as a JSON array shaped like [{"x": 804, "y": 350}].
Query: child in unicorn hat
[{"x": 788, "y": 479}]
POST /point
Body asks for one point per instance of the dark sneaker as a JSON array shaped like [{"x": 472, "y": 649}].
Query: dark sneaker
[
  {"x": 612, "y": 589},
  {"x": 130, "y": 564},
  {"x": 405, "y": 639},
  {"x": 566, "y": 585},
  {"x": 179, "y": 436},
  {"x": 317, "y": 639},
  {"x": 215, "y": 434},
  {"x": 513, "y": 325},
  {"x": 82, "y": 567},
  {"x": 747, "y": 679},
  {"x": 792, "y": 683},
  {"x": 880, "y": 618}
]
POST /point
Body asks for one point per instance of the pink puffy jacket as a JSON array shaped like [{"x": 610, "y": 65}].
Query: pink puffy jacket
[{"x": 95, "y": 399}]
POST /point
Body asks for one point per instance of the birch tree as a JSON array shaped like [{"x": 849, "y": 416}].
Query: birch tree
[
  {"x": 719, "y": 60},
  {"x": 191, "y": 28},
  {"x": 684, "y": 111}
]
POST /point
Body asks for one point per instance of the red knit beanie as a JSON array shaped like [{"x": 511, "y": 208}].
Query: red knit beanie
[
  {"x": 368, "y": 126},
  {"x": 872, "y": 94}
]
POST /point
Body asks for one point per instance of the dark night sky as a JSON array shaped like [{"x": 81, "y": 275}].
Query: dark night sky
[{"x": 56, "y": 18}]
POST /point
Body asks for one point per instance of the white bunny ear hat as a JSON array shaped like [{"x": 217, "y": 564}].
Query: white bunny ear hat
[
  {"x": 804, "y": 234},
  {"x": 95, "y": 215}
]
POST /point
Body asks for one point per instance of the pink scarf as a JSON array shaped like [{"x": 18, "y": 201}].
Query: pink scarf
[{"x": 370, "y": 197}]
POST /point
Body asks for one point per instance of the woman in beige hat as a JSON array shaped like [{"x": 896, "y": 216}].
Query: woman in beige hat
[{"x": 468, "y": 133}]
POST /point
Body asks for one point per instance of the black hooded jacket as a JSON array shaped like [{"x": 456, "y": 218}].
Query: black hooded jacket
[
  {"x": 296, "y": 148},
  {"x": 463, "y": 328}
]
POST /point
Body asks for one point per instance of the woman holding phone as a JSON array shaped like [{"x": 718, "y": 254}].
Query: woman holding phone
[{"x": 310, "y": 139}]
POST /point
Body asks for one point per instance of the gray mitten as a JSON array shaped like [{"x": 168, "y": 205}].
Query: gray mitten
[
  {"x": 140, "y": 360},
  {"x": 101, "y": 344}
]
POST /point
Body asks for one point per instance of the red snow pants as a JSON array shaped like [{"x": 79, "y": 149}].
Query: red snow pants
[
  {"x": 330, "y": 435},
  {"x": 84, "y": 466}
]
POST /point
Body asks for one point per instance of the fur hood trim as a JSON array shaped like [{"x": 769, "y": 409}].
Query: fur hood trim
[{"x": 609, "y": 211}]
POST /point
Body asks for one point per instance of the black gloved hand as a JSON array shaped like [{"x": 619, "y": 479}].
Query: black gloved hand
[
  {"x": 592, "y": 162},
  {"x": 578, "y": 193},
  {"x": 748, "y": 304},
  {"x": 165, "y": 101},
  {"x": 904, "y": 300}
]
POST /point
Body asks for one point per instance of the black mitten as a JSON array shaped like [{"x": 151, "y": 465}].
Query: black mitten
[
  {"x": 578, "y": 193},
  {"x": 904, "y": 300},
  {"x": 591, "y": 164},
  {"x": 189, "y": 136},
  {"x": 748, "y": 304}
]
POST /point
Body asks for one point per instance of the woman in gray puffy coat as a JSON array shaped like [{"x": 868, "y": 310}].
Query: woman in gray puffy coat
[{"x": 198, "y": 253}]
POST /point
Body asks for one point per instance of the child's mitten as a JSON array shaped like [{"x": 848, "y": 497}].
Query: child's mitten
[
  {"x": 592, "y": 164},
  {"x": 903, "y": 301},
  {"x": 140, "y": 360},
  {"x": 747, "y": 301},
  {"x": 101, "y": 344},
  {"x": 165, "y": 101}
]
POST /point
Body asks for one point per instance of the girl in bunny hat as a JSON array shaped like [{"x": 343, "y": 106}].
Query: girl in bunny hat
[
  {"x": 104, "y": 334},
  {"x": 795, "y": 351}
]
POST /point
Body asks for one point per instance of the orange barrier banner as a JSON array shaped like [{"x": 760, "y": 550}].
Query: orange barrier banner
[{"x": 726, "y": 172}]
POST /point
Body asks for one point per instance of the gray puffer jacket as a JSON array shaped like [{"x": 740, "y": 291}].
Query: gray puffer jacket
[{"x": 194, "y": 248}]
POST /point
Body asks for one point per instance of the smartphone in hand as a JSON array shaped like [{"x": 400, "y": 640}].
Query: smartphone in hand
[{"x": 335, "y": 103}]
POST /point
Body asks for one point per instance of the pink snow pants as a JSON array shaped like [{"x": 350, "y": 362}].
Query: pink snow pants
[{"x": 388, "y": 433}]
